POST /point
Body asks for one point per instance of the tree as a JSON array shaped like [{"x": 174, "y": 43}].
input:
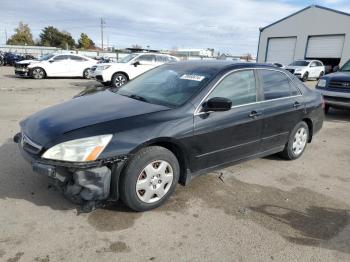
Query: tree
[
  {"x": 22, "y": 36},
  {"x": 51, "y": 36},
  {"x": 85, "y": 42}
]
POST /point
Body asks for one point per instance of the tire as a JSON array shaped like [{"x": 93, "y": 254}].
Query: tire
[
  {"x": 86, "y": 73},
  {"x": 321, "y": 74},
  {"x": 37, "y": 73},
  {"x": 118, "y": 80},
  {"x": 2, "y": 62},
  {"x": 297, "y": 142},
  {"x": 141, "y": 191},
  {"x": 305, "y": 77},
  {"x": 326, "y": 109}
]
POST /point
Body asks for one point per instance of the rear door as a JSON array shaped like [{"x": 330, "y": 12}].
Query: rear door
[
  {"x": 283, "y": 107},
  {"x": 77, "y": 65},
  {"x": 222, "y": 137}
]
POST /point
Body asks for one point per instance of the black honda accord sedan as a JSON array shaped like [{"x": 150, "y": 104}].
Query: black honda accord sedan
[{"x": 177, "y": 121}]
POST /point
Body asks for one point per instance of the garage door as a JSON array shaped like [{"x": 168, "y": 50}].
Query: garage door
[
  {"x": 281, "y": 50},
  {"x": 325, "y": 46}
]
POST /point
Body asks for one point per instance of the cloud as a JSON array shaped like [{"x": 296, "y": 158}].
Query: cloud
[{"x": 226, "y": 25}]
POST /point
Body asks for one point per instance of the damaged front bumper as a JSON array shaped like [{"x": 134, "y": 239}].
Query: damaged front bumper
[{"x": 86, "y": 183}]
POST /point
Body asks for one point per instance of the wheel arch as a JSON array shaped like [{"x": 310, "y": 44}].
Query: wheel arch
[
  {"x": 31, "y": 70},
  {"x": 177, "y": 149},
  {"x": 309, "y": 123},
  {"x": 121, "y": 72}
]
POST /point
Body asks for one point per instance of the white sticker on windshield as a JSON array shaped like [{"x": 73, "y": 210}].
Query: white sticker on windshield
[{"x": 192, "y": 77}]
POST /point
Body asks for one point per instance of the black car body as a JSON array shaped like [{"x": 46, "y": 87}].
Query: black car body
[
  {"x": 201, "y": 132},
  {"x": 335, "y": 88}
]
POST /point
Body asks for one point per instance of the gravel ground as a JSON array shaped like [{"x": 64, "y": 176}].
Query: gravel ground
[{"x": 262, "y": 210}]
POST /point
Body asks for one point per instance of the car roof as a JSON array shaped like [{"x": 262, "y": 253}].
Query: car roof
[{"x": 216, "y": 66}]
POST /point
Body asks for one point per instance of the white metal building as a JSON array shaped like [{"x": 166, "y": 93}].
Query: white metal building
[{"x": 314, "y": 32}]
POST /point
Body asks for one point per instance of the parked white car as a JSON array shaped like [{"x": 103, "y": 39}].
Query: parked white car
[
  {"x": 117, "y": 74},
  {"x": 56, "y": 65},
  {"x": 305, "y": 69}
]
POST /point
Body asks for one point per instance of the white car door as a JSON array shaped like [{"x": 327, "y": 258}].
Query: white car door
[
  {"x": 58, "y": 66},
  {"x": 145, "y": 62},
  {"x": 77, "y": 65},
  {"x": 314, "y": 69}
]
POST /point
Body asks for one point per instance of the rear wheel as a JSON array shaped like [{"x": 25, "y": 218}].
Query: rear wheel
[
  {"x": 305, "y": 77},
  {"x": 38, "y": 73},
  {"x": 86, "y": 73},
  {"x": 119, "y": 80},
  {"x": 297, "y": 142},
  {"x": 149, "y": 178}
]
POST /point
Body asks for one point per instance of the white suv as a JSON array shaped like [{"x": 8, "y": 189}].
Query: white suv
[
  {"x": 117, "y": 74},
  {"x": 305, "y": 69},
  {"x": 56, "y": 65}
]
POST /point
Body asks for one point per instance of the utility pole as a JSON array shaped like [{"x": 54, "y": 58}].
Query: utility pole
[{"x": 102, "y": 26}]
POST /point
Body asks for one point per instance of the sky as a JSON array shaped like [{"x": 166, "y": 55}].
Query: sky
[{"x": 228, "y": 26}]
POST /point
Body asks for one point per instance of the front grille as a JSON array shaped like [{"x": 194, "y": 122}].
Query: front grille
[
  {"x": 339, "y": 84},
  {"x": 30, "y": 146},
  {"x": 291, "y": 70}
]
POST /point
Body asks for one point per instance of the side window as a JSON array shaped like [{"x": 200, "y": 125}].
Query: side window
[
  {"x": 61, "y": 57},
  {"x": 239, "y": 87},
  {"x": 313, "y": 64},
  {"x": 147, "y": 59},
  {"x": 161, "y": 59},
  {"x": 76, "y": 58},
  {"x": 319, "y": 64},
  {"x": 277, "y": 85}
]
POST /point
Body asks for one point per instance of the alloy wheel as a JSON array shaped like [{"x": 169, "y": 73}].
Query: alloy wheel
[
  {"x": 300, "y": 140},
  {"x": 38, "y": 73},
  {"x": 120, "y": 80},
  {"x": 154, "y": 181}
]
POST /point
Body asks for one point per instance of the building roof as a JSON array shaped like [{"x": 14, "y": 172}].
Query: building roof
[{"x": 302, "y": 10}]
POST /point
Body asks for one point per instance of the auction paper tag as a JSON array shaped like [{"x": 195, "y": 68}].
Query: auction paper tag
[{"x": 192, "y": 77}]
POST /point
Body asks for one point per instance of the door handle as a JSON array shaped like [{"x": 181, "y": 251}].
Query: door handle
[
  {"x": 296, "y": 104},
  {"x": 254, "y": 114}
]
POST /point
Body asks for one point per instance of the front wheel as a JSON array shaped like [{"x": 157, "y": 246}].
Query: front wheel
[
  {"x": 321, "y": 74},
  {"x": 149, "y": 178},
  {"x": 38, "y": 73},
  {"x": 297, "y": 142},
  {"x": 119, "y": 80},
  {"x": 305, "y": 77}
]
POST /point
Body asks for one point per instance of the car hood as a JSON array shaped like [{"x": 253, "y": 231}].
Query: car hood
[
  {"x": 25, "y": 62},
  {"x": 49, "y": 124},
  {"x": 339, "y": 76}
]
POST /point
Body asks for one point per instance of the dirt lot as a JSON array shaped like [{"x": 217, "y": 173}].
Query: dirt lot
[{"x": 263, "y": 210}]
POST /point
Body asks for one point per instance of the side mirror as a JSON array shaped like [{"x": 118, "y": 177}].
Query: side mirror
[
  {"x": 136, "y": 63},
  {"x": 217, "y": 104},
  {"x": 51, "y": 61}
]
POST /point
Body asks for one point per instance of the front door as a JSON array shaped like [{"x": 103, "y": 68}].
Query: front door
[
  {"x": 146, "y": 62},
  {"x": 223, "y": 137},
  {"x": 58, "y": 66}
]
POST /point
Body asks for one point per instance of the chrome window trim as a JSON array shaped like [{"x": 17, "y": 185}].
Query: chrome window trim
[{"x": 197, "y": 112}]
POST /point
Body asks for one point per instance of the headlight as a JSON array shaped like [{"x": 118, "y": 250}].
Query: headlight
[
  {"x": 104, "y": 67},
  {"x": 79, "y": 150},
  {"x": 322, "y": 83}
]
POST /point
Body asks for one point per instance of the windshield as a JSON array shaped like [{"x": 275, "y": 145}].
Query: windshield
[
  {"x": 128, "y": 58},
  {"x": 345, "y": 67},
  {"x": 300, "y": 63},
  {"x": 168, "y": 85},
  {"x": 46, "y": 57}
]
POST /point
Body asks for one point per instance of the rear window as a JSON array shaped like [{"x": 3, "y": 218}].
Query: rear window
[{"x": 276, "y": 85}]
